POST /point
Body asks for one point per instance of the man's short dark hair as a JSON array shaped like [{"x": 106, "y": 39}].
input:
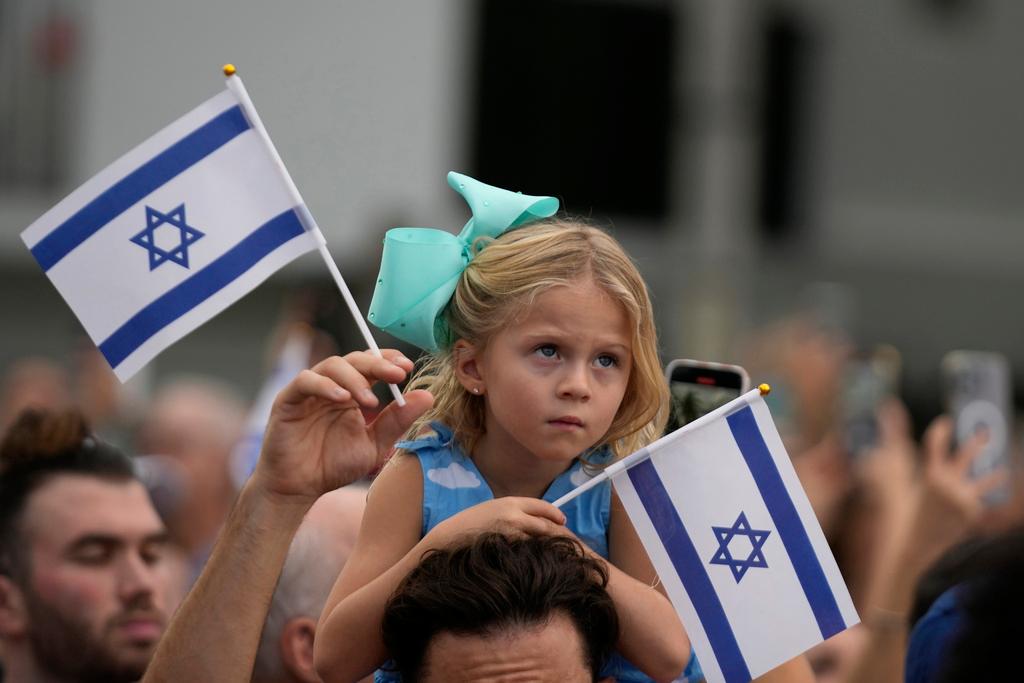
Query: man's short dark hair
[
  {"x": 493, "y": 583},
  {"x": 37, "y": 447}
]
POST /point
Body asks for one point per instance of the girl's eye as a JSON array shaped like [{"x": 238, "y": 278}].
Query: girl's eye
[
  {"x": 606, "y": 361},
  {"x": 547, "y": 350}
]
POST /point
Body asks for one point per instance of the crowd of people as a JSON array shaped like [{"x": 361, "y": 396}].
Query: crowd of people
[{"x": 541, "y": 367}]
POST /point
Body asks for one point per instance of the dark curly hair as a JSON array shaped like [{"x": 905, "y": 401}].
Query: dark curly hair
[
  {"x": 493, "y": 582},
  {"x": 37, "y": 447}
]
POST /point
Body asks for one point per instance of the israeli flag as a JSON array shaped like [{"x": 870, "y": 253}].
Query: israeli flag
[
  {"x": 735, "y": 542},
  {"x": 173, "y": 232}
]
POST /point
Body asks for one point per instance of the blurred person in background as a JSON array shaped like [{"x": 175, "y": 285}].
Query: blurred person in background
[
  {"x": 84, "y": 592},
  {"x": 194, "y": 424},
  {"x": 966, "y": 612},
  {"x": 33, "y": 382},
  {"x": 318, "y": 552},
  {"x": 112, "y": 409},
  {"x": 919, "y": 502},
  {"x": 804, "y": 361},
  {"x": 888, "y": 510}
]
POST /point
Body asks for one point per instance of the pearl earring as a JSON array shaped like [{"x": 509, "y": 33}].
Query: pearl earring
[{"x": 476, "y": 390}]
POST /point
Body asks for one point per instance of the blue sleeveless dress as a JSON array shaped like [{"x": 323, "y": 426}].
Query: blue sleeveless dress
[{"x": 452, "y": 483}]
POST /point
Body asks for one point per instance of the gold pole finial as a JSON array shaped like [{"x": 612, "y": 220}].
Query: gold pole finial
[
  {"x": 765, "y": 389},
  {"x": 229, "y": 69}
]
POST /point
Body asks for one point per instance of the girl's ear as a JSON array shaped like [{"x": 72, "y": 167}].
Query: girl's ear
[{"x": 467, "y": 366}]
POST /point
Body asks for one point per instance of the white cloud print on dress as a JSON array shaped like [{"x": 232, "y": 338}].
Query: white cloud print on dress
[{"x": 455, "y": 476}]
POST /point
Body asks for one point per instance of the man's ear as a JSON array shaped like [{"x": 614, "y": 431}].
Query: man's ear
[
  {"x": 13, "y": 614},
  {"x": 468, "y": 367},
  {"x": 296, "y": 647}
]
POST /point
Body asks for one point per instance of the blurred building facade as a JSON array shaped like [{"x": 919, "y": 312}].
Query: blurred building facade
[{"x": 871, "y": 144}]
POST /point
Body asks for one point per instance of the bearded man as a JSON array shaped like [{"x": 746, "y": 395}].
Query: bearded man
[{"x": 84, "y": 584}]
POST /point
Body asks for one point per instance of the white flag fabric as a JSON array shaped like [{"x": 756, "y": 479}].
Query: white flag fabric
[
  {"x": 172, "y": 233},
  {"x": 732, "y": 535}
]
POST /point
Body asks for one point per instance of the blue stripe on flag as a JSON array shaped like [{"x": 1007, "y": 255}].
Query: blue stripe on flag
[
  {"x": 787, "y": 521},
  {"x": 690, "y": 568},
  {"x": 128, "y": 191},
  {"x": 199, "y": 287}
]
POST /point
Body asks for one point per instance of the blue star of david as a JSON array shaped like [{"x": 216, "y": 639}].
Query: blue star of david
[
  {"x": 757, "y": 538},
  {"x": 176, "y": 218}
]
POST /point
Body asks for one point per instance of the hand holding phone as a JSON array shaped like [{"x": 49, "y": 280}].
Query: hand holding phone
[
  {"x": 868, "y": 382},
  {"x": 977, "y": 388},
  {"x": 698, "y": 387}
]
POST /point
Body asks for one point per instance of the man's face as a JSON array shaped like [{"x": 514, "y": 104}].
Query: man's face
[
  {"x": 97, "y": 584},
  {"x": 550, "y": 652}
]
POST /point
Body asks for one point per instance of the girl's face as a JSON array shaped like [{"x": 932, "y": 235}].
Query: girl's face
[{"x": 554, "y": 379}]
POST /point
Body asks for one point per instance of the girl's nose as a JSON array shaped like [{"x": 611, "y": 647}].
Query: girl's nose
[{"x": 575, "y": 382}]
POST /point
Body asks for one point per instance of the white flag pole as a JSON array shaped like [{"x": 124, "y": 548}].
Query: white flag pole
[
  {"x": 645, "y": 452},
  {"x": 234, "y": 84}
]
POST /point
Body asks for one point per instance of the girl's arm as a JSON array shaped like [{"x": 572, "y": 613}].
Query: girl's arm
[
  {"x": 348, "y": 642},
  {"x": 652, "y": 636}
]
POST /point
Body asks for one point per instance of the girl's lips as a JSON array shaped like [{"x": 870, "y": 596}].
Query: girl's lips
[{"x": 567, "y": 422}]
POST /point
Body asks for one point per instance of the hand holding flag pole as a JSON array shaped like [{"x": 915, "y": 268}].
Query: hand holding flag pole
[{"x": 234, "y": 84}]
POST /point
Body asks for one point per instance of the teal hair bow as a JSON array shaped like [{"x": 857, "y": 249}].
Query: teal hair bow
[{"x": 420, "y": 267}]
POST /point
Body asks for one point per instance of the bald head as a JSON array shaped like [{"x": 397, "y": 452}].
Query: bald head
[
  {"x": 195, "y": 424},
  {"x": 316, "y": 557},
  {"x": 191, "y": 414}
]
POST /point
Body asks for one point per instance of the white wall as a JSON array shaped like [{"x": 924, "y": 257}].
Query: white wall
[
  {"x": 922, "y": 155},
  {"x": 916, "y": 160},
  {"x": 363, "y": 99}
]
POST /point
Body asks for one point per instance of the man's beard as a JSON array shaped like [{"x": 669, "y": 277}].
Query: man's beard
[{"x": 63, "y": 646}]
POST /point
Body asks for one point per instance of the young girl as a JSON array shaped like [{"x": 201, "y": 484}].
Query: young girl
[{"x": 543, "y": 367}]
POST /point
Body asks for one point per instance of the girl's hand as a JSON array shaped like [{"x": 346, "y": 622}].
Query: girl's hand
[
  {"x": 510, "y": 515},
  {"x": 317, "y": 439}
]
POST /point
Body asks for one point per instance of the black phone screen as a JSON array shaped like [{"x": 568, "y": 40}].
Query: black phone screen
[{"x": 698, "y": 391}]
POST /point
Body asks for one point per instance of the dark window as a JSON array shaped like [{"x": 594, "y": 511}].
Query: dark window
[{"x": 575, "y": 99}]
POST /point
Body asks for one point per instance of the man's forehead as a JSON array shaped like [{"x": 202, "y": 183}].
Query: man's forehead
[{"x": 69, "y": 506}]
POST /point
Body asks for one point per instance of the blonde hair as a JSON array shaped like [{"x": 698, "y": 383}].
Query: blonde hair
[{"x": 503, "y": 279}]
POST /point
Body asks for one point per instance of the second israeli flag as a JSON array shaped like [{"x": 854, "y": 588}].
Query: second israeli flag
[{"x": 732, "y": 535}]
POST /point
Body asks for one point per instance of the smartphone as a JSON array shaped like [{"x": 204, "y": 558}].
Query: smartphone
[
  {"x": 977, "y": 386},
  {"x": 869, "y": 380},
  {"x": 698, "y": 387}
]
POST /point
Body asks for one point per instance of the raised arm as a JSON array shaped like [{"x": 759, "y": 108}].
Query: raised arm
[
  {"x": 316, "y": 441},
  {"x": 652, "y": 636},
  {"x": 942, "y": 508}
]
